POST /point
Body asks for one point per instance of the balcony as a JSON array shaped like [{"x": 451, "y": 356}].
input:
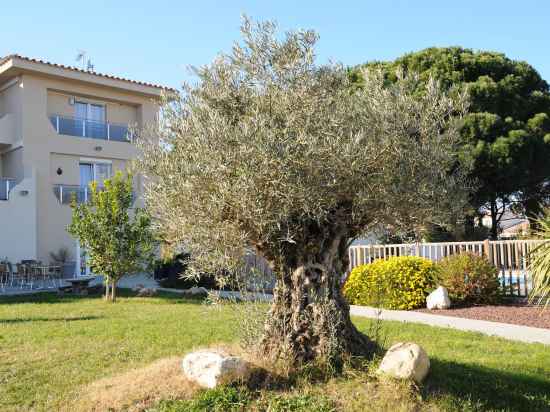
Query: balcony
[
  {"x": 7, "y": 130},
  {"x": 66, "y": 193},
  {"x": 5, "y": 187},
  {"x": 73, "y": 126}
]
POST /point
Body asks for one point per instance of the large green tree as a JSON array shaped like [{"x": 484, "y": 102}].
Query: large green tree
[
  {"x": 506, "y": 134},
  {"x": 271, "y": 152}
]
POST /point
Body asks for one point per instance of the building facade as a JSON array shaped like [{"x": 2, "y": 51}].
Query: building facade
[{"x": 60, "y": 128}]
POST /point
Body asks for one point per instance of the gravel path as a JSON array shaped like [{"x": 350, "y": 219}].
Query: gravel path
[{"x": 523, "y": 315}]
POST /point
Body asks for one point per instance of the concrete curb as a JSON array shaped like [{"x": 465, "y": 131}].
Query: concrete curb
[{"x": 503, "y": 330}]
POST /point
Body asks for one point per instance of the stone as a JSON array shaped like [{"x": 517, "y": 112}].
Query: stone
[
  {"x": 438, "y": 299},
  {"x": 145, "y": 292},
  {"x": 196, "y": 291},
  {"x": 138, "y": 287},
  {"x": 405, "y": 361},
  {"x": 209, "y": 368}
]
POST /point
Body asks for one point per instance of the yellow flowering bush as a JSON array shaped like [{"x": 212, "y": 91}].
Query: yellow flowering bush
[{"x": 396, "y": 283}]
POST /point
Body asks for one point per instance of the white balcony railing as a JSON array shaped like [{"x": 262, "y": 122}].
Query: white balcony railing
[
  {"x": 73, "y": 126},
  {"x": 5, "y": 187}
]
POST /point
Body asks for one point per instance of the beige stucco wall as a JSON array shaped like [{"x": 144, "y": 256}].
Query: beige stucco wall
[
  {"x": 18, "y": 220},
  {"x": 45, "y": 150},
  {"x": 10, "y": 111},
  {"x": 70, "y": 167},
  {"x": 10, "y": 97},
  {"x": 115, "y": 112},
  {"x": 12, "y": 164}
]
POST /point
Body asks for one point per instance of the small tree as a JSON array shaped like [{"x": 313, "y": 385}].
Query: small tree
[
  {"x": 117, "y": 243},
  {"x": 273, "y": 153}
]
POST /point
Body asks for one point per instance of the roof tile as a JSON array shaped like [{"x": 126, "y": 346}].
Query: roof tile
[{"x": 62, "y": 66}]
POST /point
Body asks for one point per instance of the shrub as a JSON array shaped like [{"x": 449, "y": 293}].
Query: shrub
[
  {"x": 169, "y": 272},
  {"x": 469, "y": 279},
  {"x": 396, "y": 283}
]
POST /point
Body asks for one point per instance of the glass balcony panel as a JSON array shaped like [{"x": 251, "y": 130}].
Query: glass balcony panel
[
  {"x": 5, "y": 187},
  {"x": 96, "y": 130},
  {"x": 119, "y": 133},
  {"x": 65, "y": 194},
  {"x": 72, "y": 126}
]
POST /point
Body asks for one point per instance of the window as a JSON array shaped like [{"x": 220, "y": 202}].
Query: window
[
  {"x": 93, "y": 119},
  {"x": 89, "y": 111},
  {"x": 94, "y": 171}
]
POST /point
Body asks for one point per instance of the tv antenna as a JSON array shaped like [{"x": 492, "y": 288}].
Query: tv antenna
[{"x": 85, "y": 62}]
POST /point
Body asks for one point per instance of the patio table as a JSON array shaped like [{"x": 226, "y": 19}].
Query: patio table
[{"x": 80, "y": 285}]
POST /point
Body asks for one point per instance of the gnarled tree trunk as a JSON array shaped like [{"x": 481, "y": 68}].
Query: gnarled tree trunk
[{"x": 309, "y": 318}]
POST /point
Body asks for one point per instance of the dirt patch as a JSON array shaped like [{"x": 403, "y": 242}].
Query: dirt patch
[
  {"x": 135, "y": 390},
  {"x": 520, "y": 314}
]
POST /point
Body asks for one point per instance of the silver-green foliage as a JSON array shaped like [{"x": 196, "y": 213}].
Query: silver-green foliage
[{"x": 268, "y": 141}]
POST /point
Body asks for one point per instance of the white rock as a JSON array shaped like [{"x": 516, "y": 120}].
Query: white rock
[
  {"x": 210, "y": 368},
  {"x": 438, "y": 299},
  {"x": 196, "y": 291},
  {"x": 147, "y": 292},
  {"x": 405, "y": 361}
]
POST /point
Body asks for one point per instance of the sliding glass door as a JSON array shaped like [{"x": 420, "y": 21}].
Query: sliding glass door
[
  {"x": 94, "y": 171},
  {"x": 92, "y": 118}
]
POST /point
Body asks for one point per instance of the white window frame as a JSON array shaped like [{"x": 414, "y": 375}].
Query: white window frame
[
  {"x": 94, "y": 163},
  {"x": 89, "y": 110}
]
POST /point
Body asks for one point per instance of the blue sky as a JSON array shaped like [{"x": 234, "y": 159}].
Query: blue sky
[{"x": 156, "y": 40}]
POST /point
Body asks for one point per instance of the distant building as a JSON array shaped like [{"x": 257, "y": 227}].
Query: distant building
[{"x": 511, "y": 225}]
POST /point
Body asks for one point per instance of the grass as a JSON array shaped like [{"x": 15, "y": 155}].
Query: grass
[{"x": 53, "y": 350}]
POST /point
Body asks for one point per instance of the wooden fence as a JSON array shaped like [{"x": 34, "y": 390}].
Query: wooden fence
[{"x": 509, "y": 256}]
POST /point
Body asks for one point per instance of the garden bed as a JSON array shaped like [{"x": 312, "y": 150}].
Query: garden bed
[{"x": 516, "y": 314}]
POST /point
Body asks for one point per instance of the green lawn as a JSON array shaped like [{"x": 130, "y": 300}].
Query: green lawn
[{"x": 50, "y": 346}]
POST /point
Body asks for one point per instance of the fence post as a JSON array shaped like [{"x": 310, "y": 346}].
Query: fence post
[{"x": 487, "y": 250}]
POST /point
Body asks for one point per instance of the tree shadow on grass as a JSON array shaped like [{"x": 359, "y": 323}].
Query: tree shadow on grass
[
  {"x": 487, "y": 389},
  {"x": 44, "y": 319},
  {"x": 51, "y": 297}
]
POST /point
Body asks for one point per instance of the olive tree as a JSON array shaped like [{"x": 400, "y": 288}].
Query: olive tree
[{"x": 269, "y": 152}]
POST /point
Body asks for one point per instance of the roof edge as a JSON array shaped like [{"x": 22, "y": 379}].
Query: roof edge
[{"x": 9, "y": 57}]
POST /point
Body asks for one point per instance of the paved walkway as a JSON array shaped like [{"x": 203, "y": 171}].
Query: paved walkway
[{"x": 503, "y": 330}]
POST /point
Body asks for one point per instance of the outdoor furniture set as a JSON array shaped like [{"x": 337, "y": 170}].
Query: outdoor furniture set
[{"x": 29, "y": 274}]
